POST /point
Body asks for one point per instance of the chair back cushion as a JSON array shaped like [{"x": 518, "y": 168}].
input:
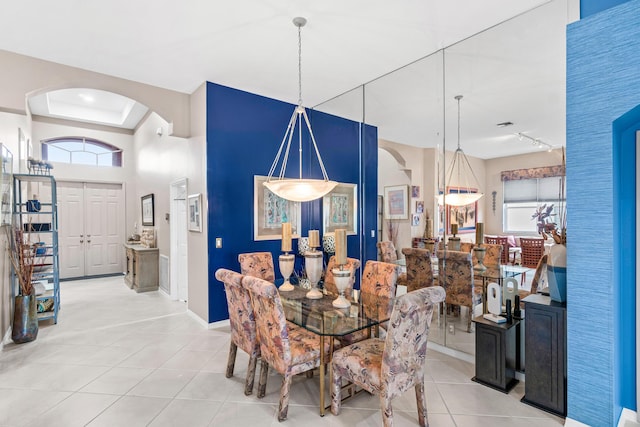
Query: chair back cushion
[
  {"x": 257, "y": 264},
  {"x": 379, "y": 278},
  {"x": 500, "y": 240},
  {"x": 271, "y": 323},
  {"x": 387, "y": 251},
  {"x": 493, "y": 254},
  {"x": 330, "y": 283},
  {"x": 455, "y": 274},
  {"x": 419, "y": 272},
  {"x": 405, "y": 346},
  {"x": 241, "y": 318}
]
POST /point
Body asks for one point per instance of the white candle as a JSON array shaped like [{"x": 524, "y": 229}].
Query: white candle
[
  {"x": 341, "y": 246},
  {"x": 314, "y": 238},
  {"x": 286, "y": 236}
]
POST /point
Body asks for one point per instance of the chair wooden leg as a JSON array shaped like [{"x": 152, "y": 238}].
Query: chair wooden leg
[
  {"x": 231, "y": 361},
  {"x": 283, "y": 408},
  {"x": 262, "y": 382},
  {"x": 421, "y": 402},
  {"x": 336, "y": 392},
  {"x": 387, "y": 410},
  {"x": 251, "y": 374}
]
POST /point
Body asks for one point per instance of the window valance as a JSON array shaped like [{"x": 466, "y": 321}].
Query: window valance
[{"x": 533, "y": 173}]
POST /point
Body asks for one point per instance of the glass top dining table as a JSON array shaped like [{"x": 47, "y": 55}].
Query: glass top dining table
[{"x": 319, "y": 316}]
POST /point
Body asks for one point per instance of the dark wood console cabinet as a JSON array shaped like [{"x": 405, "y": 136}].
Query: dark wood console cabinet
[
  {"x": 496, "y": 354},
  {"x": 545, "y": 354}
]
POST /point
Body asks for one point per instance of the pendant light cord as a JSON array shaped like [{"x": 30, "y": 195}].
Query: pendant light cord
[{"x": 299, "y": 65}]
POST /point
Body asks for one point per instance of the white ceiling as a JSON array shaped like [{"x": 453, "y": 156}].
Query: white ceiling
[{"x": 514, "y": 74}]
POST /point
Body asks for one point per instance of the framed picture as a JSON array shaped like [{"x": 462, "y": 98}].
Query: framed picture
[
  {"x": 147, "y": 210},
  {"x": 396, "y": 202},
  {"x": 419, "y": 206},
  {"x": 270, "y": 211},
  {"x": 339, "y": 209},
  {"x": 415, "y": 191},
  {"x": 465, "y": 216},
  {"x": 194, "y": 212},
  {"x": 415, "y": 220}
]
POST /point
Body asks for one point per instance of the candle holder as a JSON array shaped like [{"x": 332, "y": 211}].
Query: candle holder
[
  {"x": 454, "y": 243},
  {"x": 480, "y": 253},
  {"x": 313, "y": 267},
  {"x": 286, "y": 262},
  {"x": 342, "y": 279}
]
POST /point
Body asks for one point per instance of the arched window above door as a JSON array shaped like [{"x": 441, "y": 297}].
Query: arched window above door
[{"x": 81, "y": 151}]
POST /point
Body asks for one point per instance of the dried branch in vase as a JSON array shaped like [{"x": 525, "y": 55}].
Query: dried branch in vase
[{"x": 22, "y": 254}]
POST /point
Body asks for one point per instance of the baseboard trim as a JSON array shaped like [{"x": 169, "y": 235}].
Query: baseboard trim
[
  {"x": 213, "y": 325},
  {"x": 452, "y": 352}
]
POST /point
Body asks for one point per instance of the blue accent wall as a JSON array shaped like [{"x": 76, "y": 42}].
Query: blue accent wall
[
  {"x": 603, "y": 92},
  {"x": 244, "y": 132},
  {"x": 591, "y": 7}
]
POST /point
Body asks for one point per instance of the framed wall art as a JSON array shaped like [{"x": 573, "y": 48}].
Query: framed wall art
[
  {"x": 270, "y": 211},
  {"x": 194, "y": 212},
  {"x": 147, "y": 210},
  {"x": 340, "y": 209},
  {"x": 396, "y": 202},
  {"x": 465, "y": 216}
]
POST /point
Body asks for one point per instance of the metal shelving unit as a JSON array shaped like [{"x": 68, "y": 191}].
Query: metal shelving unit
[{"x": 40, "y": 224}]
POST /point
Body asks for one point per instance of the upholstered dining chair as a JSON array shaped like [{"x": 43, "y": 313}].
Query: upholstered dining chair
[
  {"x": 391, "y": 366},
  {"x": 493, "y": 254},
  {"x": 419, "y": 271},
  {"x": 500, "y": 240},
  {"x": 378, "y": 279},
  {"x": 242, "y": 323},
  {"x": 257, "y": 264},
  {"x": 286, "y": 350},
  {"x": 330, "y": 283},
  {"x": 455, "y": 274},
  {"x": 388, "y": 251}
]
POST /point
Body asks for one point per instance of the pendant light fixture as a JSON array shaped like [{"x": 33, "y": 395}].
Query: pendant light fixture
[
  {"x": 298, "y": 189},
  {"x": 459, "y": 175}
]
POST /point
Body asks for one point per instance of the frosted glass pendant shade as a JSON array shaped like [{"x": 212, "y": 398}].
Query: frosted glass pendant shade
[{"x": 300, "y": 190}]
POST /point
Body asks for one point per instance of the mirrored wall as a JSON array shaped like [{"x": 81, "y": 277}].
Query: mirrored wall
[{"x": 513, "y": 72}]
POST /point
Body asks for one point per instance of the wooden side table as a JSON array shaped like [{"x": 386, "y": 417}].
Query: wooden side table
[{"x": 496, "y": 354}]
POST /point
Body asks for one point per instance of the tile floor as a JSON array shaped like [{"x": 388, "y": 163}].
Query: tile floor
[{"x": 117, "y": 358}]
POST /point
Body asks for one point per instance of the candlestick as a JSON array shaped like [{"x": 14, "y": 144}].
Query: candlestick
[
  {"x": 479, "y": 233},
  {"x": 454, "y": 229},
  {"x": 286, "y": 236},
  {"x": 341, "y": 246},
  {"x": 314, "y": 238}
]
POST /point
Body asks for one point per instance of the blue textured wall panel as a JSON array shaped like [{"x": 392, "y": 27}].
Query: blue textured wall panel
[
  {"x": 603, "y": 84},
  {"x": 591, "y": 7},
  {"x": 244, "y": 131}
]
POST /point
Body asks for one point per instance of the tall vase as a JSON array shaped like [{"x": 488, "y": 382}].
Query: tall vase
[
  {"x": 557, "y": 273},
  {"x": 25, "y": 319}
]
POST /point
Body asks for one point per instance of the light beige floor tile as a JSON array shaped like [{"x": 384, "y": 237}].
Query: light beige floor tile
[
  {"x": 20, "y": 407},
  {"x": 188, "y": 359},
  {"x": 192, "y": 413},
  {"x": 247, "y": 415},
  {"x": 77, "y": 410},
  {"x": 476, "y": 399},
  {"x": 117, "y": 380},
  {"x": 451, "y": 371},
  {"x": 149, "y": 357},
  {"x": 210, "y": 386},
  {"x": 130, "y": 411},
  {"x": 482, "y": 421},
  {"x": 163, "y": 383}
]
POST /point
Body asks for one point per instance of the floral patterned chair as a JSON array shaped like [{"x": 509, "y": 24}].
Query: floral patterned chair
[
  {"x": 286, "y": 350},
  {"x": 419, "y": 271},
  {"x": 330, "y": 283},
  {"x": 500, "y": 240},
  {"x": 493, "y": 254},
  {"x": 391, "y": 366},
  {"x": 257, "y": 264},
  {"x": 243, "y": 325},
  {"x": 456, "y": 276},
  {"x": 378, "y": 279},
  {"x": 387, "y": 251}
]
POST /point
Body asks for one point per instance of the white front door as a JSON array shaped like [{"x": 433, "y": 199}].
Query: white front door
[
  {"x": 91, "y": 228},
  {"x": 178, "y": 233}
]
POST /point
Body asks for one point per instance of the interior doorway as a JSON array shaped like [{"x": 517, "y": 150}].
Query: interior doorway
[
  {"x": 91, "y": 228},
  {"x": 179, "y": 276}
]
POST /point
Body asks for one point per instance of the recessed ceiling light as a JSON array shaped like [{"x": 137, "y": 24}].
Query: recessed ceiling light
[{"x": 504, "y": 124}]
